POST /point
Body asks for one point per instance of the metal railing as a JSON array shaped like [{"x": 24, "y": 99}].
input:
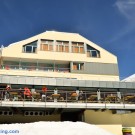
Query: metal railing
[
  {"x": 33, "y": 68},
  {"x": 67, "y": 96}
]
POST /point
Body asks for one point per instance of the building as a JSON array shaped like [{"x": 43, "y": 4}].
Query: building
[
  {"x": 61, "y": 55},
  {"x": 69, "y": 78}
]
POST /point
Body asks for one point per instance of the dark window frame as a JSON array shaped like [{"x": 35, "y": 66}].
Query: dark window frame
[{"x": 32, "y": 47}]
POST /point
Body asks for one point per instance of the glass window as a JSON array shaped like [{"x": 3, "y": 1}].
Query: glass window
[
  {"x": 77, "y": 47},
  {"x": 28, "y": 65},
  {"x": 30, "y": 48},
  {"x": 34, "y": 48},
  {"x": 11, "y": 64},
  {"x": 62, "y": 46},
  {"x": 92, "y": 52},
  {"x": 46, "y": 45},
  {"x": 78, "y": 66}
]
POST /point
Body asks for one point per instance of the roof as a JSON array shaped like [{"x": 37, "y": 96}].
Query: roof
[
  {"x": 129, "y": 79},
  {"x": 63, "y": 36}
]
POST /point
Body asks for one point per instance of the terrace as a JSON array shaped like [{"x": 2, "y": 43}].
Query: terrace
[{"x": 67, "y": 99}]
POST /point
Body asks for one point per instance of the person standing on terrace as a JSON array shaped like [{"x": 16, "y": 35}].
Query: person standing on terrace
[
  {"x": 44, "y": 90},
  {"x": 7, "y": 94}
]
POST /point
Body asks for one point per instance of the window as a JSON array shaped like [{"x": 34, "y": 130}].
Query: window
[
  {"x": 46, "y": 45},
  {"x": 11, "y": 64},
  {"x": 92, "y": 52},
  {"x": 30, "y": 48},
  {"x": 62, "y": 46},
  {"x": 77, "y": 47},
  {"x": 28, "y": 65},
  {"x": 78, "y": 66}
]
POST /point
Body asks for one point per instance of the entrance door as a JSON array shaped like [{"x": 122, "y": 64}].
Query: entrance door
[{"x": 72, "y": 116}]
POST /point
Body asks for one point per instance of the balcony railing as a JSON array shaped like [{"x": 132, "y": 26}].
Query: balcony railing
[
  {"x": 67, "y": 96},
  {"x": 35, "y": 68}
]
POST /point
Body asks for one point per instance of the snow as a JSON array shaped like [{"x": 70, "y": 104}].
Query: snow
[
  {"x": 129, "y": 79},
  {"x": 54, "y": 128}
]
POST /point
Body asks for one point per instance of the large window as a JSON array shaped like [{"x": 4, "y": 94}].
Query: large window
[
  {"x": 77, "y": 47},
  {"x": 78, "y": 66},
  {"x": 46, "y": 66},
  {"x": 62, "y": 46},
  {"x": 28, "y": 65},
  {"x": 10, "y": 64},
  {"x": 92, "y": 52},
  {"x": 30, "y": 48},
  {"x": 46, "y": 45}
]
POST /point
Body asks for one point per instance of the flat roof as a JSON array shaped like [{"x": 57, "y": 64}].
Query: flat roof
[{"x": 28, "y": 80}]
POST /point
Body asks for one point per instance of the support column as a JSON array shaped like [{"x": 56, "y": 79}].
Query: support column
[
  {"x": 70, "y": 46},
  {"x": 71, "y": 66},
  {"x": 55, "y": 92},
  {"x": 54, "y": 45},
  {"x": 85, "y": 47},
  {"x": 98, "y": 95},
  {"x": 37, "y": 65},
  {"x": 38, "y": 44},
  {"x": 77, "y": 93},
  {"x": 20, "y": 67},
  {"x": 82, "y": 116},
  {"x": 119, "y": 96}
]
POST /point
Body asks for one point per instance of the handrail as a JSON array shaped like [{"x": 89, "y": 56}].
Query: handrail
[
  {"x": 66, "y": 96},
  {"x": 32, "y": 68}
]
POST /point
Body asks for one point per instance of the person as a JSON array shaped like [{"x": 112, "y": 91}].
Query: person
[
  {"x": 81, "y": 95},
  {"x": 44, "y": 90},
  {"x": 7, "y": 94},
  {"x": 21, "y": 94},
  {"x": 27, "y": 92},
  {"x": 8, "y": 87}
]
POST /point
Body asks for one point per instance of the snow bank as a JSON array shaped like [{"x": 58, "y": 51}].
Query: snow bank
[
  {"x": 129, "y": 79},
  {"x": 54, "y": 128}
]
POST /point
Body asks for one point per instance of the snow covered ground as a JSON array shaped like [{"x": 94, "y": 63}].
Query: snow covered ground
[{"x": 52, "y": 128}]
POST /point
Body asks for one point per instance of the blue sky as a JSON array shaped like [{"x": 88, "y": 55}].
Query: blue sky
[{"x": 108, "y": 23}]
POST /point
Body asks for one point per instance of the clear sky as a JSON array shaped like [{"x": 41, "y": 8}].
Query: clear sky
[{"x": 108, "y": 23}]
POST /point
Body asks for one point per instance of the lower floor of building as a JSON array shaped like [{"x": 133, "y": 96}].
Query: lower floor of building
[{"x": 111, "y": 120}]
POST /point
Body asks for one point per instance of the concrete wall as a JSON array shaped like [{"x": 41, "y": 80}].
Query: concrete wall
[
  {"x": 115, "y": 129},
  {"x": 98, "y": 69},
  {"x": 27, "y": 119},
  {"x": 106, "y": 120},
  {"x": 109, "y": 121},
  {"x": 106, "y": 117},
  {"x": 59, "y": 75}
]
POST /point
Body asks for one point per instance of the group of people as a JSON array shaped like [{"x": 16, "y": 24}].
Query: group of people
[{"x": 27, "y": 93}]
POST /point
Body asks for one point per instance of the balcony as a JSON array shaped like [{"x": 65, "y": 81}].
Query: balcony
[
  {"x": 67, "y": 99},
  {"x": 35, "y": 68}
]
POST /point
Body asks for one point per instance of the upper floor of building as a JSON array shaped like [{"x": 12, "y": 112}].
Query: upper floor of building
[
  {"x": 51, "y": 45},
  {"x": 60, "y": 52}
]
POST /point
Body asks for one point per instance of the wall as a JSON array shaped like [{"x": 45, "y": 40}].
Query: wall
[
  {"x": 59, "y": 75},
  {"x": 106, "y": 57},
  {"x": 98, "y": 69},
  {"x": 25, "y": 119},
  {"x": 109, "y": 121}
]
